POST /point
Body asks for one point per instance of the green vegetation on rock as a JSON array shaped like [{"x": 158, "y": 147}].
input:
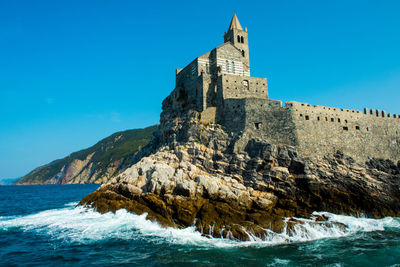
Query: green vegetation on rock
[{"x": 95, "y": 164}]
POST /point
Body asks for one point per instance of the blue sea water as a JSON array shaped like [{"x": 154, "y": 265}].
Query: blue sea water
[{"x": 41, "y": 226}]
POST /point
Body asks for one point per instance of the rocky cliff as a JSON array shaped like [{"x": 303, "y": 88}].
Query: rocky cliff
[
  {"x": 97, "y": 164},
  {"x": 235, "y": 186}
]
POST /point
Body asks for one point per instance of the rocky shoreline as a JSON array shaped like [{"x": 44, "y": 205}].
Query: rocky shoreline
[{"x": 229, "y": 185}]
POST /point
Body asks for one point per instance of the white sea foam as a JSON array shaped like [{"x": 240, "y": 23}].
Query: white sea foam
[
  {"x": 279, "y": 262},
  {"x": 78, "y": 224}
]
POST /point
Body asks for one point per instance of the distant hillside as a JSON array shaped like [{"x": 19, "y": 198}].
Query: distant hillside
[
  {"x": 96, "y": 164},
  {"x": 7, "y": 181}
]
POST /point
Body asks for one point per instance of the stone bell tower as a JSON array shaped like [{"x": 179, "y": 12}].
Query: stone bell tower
[{"x": 238, "y": 37}]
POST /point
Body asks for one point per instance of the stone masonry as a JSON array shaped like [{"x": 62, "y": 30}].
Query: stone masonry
[{"x": 218, "y": 85}]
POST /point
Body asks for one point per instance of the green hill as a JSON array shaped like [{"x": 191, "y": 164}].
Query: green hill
[{"x": 96, "y": 164}]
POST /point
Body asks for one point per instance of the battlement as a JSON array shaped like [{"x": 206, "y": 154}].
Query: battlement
[
  {"x": 219, "y": 86},
  {"x": 337, "y": 112}
]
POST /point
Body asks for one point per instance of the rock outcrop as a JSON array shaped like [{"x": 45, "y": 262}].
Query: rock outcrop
[{"x": 229, "y": 185}]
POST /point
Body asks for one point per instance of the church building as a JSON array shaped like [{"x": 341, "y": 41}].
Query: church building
[
  {"x": 222, "y": 73},
  {"x": 219, "y": 87}
]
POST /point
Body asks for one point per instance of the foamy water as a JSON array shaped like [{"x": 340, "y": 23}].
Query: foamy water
[
  {"x": 39, "y": 225},
  {"x": 80, "y": 225}
]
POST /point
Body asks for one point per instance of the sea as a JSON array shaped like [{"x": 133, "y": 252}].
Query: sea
[{"x": 41, "y": 225}]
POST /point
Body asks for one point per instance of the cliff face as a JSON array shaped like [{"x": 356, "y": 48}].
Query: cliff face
[
  {"x": 231, "y": 185},
  {"x": 97, "y": 164}
]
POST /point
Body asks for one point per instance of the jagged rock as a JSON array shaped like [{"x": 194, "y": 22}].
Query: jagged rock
[
  {"x": 231, "y": 184},
  {"x": 386, "y": 166},
  {"x": 261, "y": 150}
]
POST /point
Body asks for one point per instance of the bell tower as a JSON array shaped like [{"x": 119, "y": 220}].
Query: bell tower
[{"x": 238, "y": 37}]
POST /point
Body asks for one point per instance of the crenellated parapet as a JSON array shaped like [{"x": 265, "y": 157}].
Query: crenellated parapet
[{"x": 218, "y": 85}]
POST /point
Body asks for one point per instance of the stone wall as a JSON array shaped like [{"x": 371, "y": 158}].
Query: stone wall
[
  {"x": 323, "y": 130},
  {"x": 257, "y": 117},
  {"x": 243, "y": 87},
  {"x": 269, "y": 120},
  {"x": 315, "y": 131},
  {"x": 189, "y": 86},
  {"x": 208, "y": 115}
]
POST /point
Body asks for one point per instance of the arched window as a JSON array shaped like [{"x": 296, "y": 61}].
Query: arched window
[
  {"x": 242, "y": 39},
  {"x": 243, "y": 53},
  {"x": 246, "y": 84},
  {"x": 238, "y": 39},
  {"x": 233, "y": 67},
  {"x": 227, "y": 66}
]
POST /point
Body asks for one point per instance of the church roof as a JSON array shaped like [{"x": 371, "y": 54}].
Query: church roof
[{"x": 235, "y": 24}]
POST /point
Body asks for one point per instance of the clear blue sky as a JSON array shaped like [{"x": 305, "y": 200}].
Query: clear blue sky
[{"x": 74, "y": 72}]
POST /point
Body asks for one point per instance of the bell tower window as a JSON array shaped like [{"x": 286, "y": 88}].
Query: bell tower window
[{"x": 241, "y": 40}]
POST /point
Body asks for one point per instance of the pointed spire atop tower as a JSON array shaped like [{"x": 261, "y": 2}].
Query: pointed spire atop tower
[
  {"x": 239, "y": 38},
  {"x": 235, "y": 24}
]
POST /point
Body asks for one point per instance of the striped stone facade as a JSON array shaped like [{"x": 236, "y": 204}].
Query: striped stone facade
[
  {"x": 222, "y": 72},
  {"x": 219, "y": 86}
]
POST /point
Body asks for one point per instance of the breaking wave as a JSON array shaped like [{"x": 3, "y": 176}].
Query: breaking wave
[{"x": 80, "y": 225}]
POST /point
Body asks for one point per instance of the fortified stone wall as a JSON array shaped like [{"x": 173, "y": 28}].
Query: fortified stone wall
[
  {"x": 269, "y": 120},
  {"x": 189, "y": 85},
  {"x": 321, "y": 130},
  {"x": 258, "y": 118},
  {"x": 243, "y": 87},
  {"x": 208, "y": 71},
  {"x": 314, "y": 130}
]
